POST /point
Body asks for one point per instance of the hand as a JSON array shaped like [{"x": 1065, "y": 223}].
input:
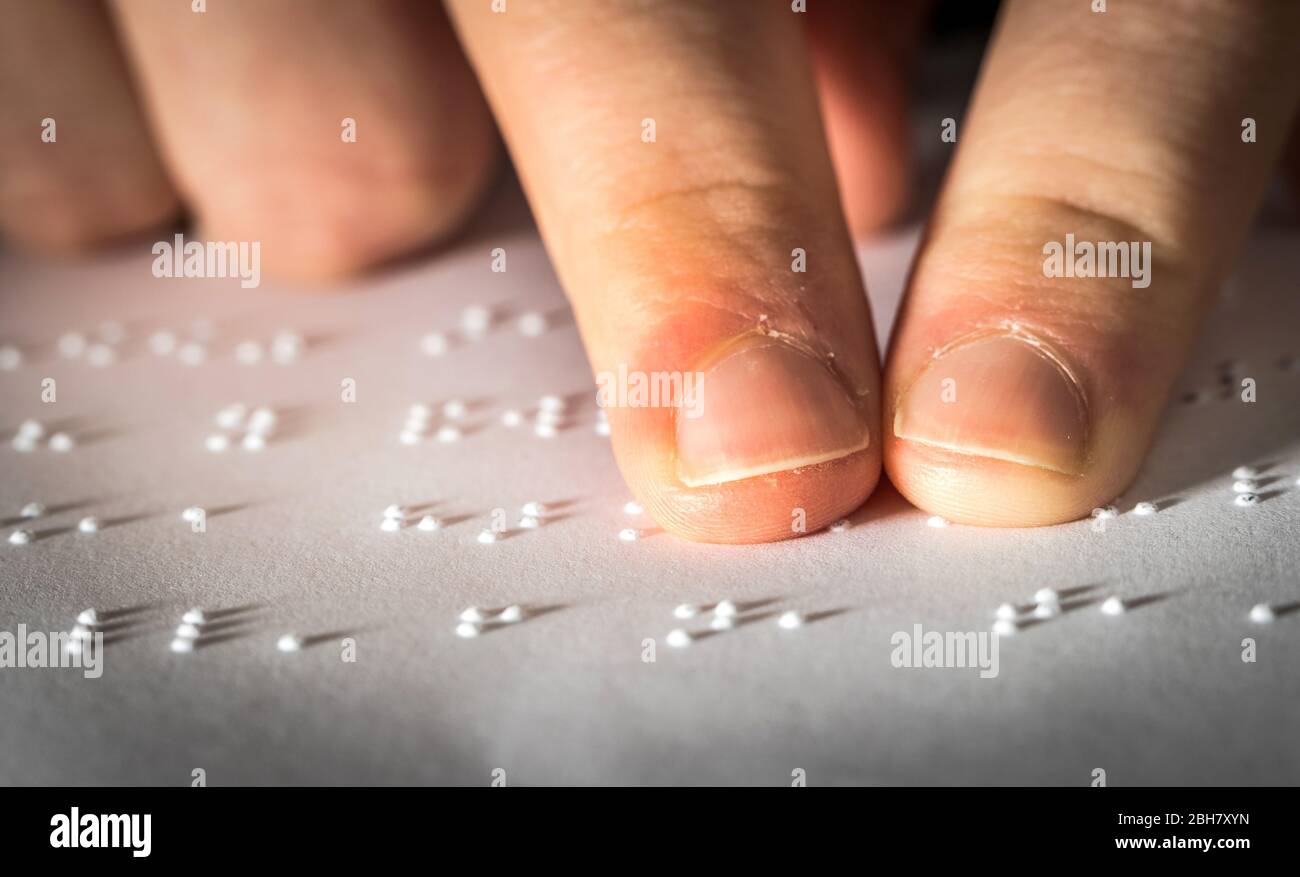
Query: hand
[{"x": 675, "y": 160}]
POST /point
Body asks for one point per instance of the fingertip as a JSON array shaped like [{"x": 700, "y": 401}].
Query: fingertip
[
  {"x": 771, "y": 445},
  {"x": 988, "y": 492}
]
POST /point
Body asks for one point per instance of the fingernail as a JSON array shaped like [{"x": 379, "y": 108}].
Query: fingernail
[
  {"x": 1007, "y": 397},
  {"x": 767, "y": 406}
]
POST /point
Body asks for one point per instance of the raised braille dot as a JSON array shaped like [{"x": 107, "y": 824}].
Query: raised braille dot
[
  {"x": 487, "y": 537},
  {"x": 528, "y": 522},
  {"x": 188, "y": 631},
  {"x": 1047, "y": 609},
  {"x": 409, "y": 437},
  {"x": 88, "y": 617},
  {"x": 449, "y": 434},
  {"x": 10, "y": 358},
  {"x": 467, "y": 630},
  {"x": 100, "y": 355},
  {"x": 632, "y": 507},
  {"x": 192, "y": 353},
  {"x": 1006, "y": 612},
  {"x": 545, "y": 430},
  {"x": 1005, "y": 627},
  {"x": 249, "y": 352},
  {"x": 395, "y": 511},
  {"x": 602, "y": 427},
  {"x": 32, "y": 429},
  {"x": 678, "y": 638},
  {"x": 217, "y": 443},
  {"x": 433, "y": 344},
  {"x": 88, "y": 524},
  {"x": 162, "y": 343},
  {"x": 511, "y": 614},
  {"x": 1145, "y": 508},
  {"x": 1247, "y": 499},
  {"x": 1262, "y": 613},
  {"x": 1046, "y": 595},
  {"x": 1113, "y": 606},
  {"x": 1243, "y": 472},
  {"x": 181, "y": 644},
  {"x": 552, "y": 404},
  {"x": 21, "y": 537},
  {"x": 1245, "y": 485},
  {"x": 192, "y": 514},
  {"x": 532, "y": 324},
  {"x": 686, "y": 610},
  {"x": 71, "y": 345},
  {"x": 535, "y": 509},
  {"x": 722, "y": 622},
  {"x": 194, "y": 615},
  {"x": 262, "y": 421},
  {"x": 290, "y": 642},
  {"x": 24, "y": 444},
  {"x": 253, "y": 442},
  {"x": 62, "y": 443},
  {"x": 628, "y": 535},
  {"x": 429, "y": 523},
  {"x": 232, "y": 416},
  {"x": 390, "y": 525},
  {"x": 512, "y": 418},
  {"x": 936, "y": 521},
  {"x": 839, "y": 526},
  {"x": 789, "y": 620},
  {"x": 32, "y": 510},
  {"x": 1105, "y": 512},
  {"x": 475, "y": 320},
  {"x": 455, "y": 409},
  {"x": 472, "y": 614},
  {"x": 287, "y": 346},
  {"x": 725, "y": 609}
]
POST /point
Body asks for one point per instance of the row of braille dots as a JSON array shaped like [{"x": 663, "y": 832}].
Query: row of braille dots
[
  {"x": 419, "y": 420},
  {"x": 33, "y": 510},
  {"x": 1047, "y": 604},
  {"x": 100, "y": 348},
  {"x": 1109, "y": 512},
  {"x": 189, "y": 633},
  {"x": 30, "y": 434},
  {"x": 475, "y": 322},
  {"x": 1246, "y": 485},
  {"x": 1008, "y": 618},
  {"x": 550, "y": 416},
  {"x": 194, "y": 625},
  {"x": 1230, "y": 377},
  {"x": 235, "y": 419},
  {"x": 285, "y": 347},
  {"x": 725, "y": 614},
  {"x": 936, "y": 521}
]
